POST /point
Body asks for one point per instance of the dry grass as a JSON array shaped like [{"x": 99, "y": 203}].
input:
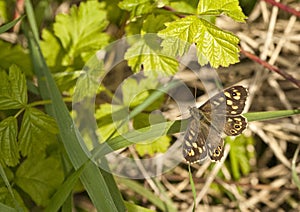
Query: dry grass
[{"x": 274, "y": 36}]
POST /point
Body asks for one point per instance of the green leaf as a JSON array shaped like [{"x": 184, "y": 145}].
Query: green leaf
[
  {"x": 13, "y": 90},
  {"x": 54, "y": 55},
  {"x": 7, "y": 208},
  {"x": 147, "y": 53},
  {"x": 80, "y": 34},
  {"x": 230, "y": 8},
  {"x": 64, "y": 191},
  {"x": 109, "y": 122},
  {"x": 39, "y": 178},
  {"x": 88, "y": 83},
  {"x": 9, "y": 151},
  {"x": 9, "y": 201},
  {"x": 159, "y": 145},
  {"x": 7, "y": 194},
  {"x": 153, "y": 24},
  {"x": 137, "y": 8},
  {"x": 14, "y": 54},
  {"x": 184, "y": 6},
  {"x": 127, "y": 139},
  {"x": 213, "y": 44},
  {"x": 81, "y": 31},
  {"x": 239, "y": 157},
  {"x": 135, "y": 93},
  {"x": 91, "y": 178},
  {"x": 37, "y": 132},
  {"x": 152, "y": 146}
]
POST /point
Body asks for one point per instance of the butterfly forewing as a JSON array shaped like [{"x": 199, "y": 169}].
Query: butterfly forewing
[
  {"x": 230, "y": 102},
  {"x": 194, "y": 148},
  {"x": 221, "y": 113}
]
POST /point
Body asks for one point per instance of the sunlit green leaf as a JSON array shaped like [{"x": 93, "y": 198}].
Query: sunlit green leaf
[
  {"x": 147, "y": 55},
  {"x": 80, "y": 34},
  {"x": 213, "y": 44},
  {"x": 230, "y": 8},
  {"x": 153, "y": 24},
  {"x": 88, "y": 83},
  {"x": 150, "y": 147},
  {"x": 135, "y": 93},
  {"x": 110, "y": 120},
  {"x": 159, "y": 145},
  {"x": 137, "y": 8}
]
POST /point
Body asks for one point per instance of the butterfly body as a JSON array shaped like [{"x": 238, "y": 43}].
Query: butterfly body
[{"x": 221, "y": 113}]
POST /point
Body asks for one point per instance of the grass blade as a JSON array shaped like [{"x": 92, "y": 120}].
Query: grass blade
[{"x": 72, "y": 141}]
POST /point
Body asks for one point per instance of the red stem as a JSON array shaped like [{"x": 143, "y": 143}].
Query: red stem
[
  {"x": 271, "y": 68},
  {"x": 284, "y": 7}
]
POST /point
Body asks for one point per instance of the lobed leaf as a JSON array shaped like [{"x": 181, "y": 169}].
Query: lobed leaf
[
  {"x": 10, "y": 202},
  {"x": 79, "y": 34},
  {"x": 14, "y": 54},
  {"x": 213, "y": 44},
  {"x": 137, "y": 8},
  {"x": 37, "y": 132},
  {"x": 13, "y": 92},
  {"x": 230, "y": 8},
  {"x": 9, "y": 152},
  {"x": 41, "y": 179},
  {"x": 146, "y": 54}
]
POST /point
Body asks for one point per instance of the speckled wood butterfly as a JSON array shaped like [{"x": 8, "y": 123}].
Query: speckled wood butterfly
[{"x": 221, "y": 113}]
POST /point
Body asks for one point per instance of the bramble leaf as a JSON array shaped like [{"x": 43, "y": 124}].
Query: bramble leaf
[
  {"x": 110, "y": 120},
  {"x": 230, "y": 8},
  {"x": 137, "y": 8},
  {"x": 14, "y": 54},
  {"x": 37, "y": 131},
  {"x": 54, "y": 55},
  {"x": 88, "y": 82},
  {"x": 150, "y": 147},
  {"x": 160, "y": 145},
  {"x": 13, "y": 90},
  {"x": 147, "y": 53},
  {"x": 9, "y": 151},
  {"x": 7, "y": 199},
  {"x": 135, "y": 93},
  {"x": 153, "y": 24},
  {"x": 80, "y": 34},
  {"x": 213, "y": 44},
  {"x": 39, "y": 177}
]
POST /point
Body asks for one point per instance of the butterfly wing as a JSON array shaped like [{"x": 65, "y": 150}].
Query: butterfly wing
[
  {"x": 194, "y": 148},
  {"x": 221, "y": 113},
  {"x": 230, "y": 102},
  {"x": 235, "y": 125},
  {"x": 216, "y": 153}
]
